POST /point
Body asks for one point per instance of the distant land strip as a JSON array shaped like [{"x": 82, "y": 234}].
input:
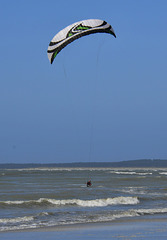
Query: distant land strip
[{"x": 142, "y": 163}]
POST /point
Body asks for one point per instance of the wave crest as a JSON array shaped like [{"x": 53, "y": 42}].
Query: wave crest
[{"x": 78, "y": 202}]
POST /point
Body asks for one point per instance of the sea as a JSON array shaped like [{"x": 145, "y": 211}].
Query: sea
[{"x": 32, "y": 198}]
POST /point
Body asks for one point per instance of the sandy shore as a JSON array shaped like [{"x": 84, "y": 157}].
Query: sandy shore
[{"x": 153, "y": 229}]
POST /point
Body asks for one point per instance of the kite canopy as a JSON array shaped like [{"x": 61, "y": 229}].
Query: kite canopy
[{"x": 75, "y": 31}]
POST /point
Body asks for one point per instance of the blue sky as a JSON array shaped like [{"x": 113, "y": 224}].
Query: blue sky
[{"x": 101, "y": 93}]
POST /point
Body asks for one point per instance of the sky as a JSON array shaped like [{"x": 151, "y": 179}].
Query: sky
[{"x": 103, "y": 99}]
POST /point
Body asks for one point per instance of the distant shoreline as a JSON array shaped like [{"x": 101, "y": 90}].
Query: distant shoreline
[{"x": 142, "y": 163}]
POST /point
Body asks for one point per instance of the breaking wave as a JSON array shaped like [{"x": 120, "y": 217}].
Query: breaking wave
[
  {"x": 163, "y": 173},
  {"x": 28, "y": 222},
  {"x": 17, "y": 219},
  {"x": 133, "y": 173},
  {"x": 78, "y": 202}
]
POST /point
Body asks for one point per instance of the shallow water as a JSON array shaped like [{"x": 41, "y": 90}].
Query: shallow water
[{"x": 32, "y": 198}]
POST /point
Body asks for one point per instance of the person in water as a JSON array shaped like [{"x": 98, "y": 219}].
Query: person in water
[{"x": 89, "y": 183}]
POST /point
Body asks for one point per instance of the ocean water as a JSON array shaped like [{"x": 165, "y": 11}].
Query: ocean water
[{"x": 43, "y": 197}]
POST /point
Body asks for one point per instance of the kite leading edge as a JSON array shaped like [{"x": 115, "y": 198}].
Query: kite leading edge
[{"x": 75, "y": 31}]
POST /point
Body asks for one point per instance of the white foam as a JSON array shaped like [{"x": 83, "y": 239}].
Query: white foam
[
  {"x": 27, "y": 221},
  {"x": 130, "y": 213},
  {"x": 126, "y": 173},
  {"x": 163, "y": 173},
  {"x": 13, "y": 202},
  {"x": 17, "y": 219},
  {"x": 134, "y": 190},
  {"x": 151, "y": 211},
  {"x": 133, "y": 173},
  {"x": 94, "y": 203},
  {"x": 79, "y": 202}
]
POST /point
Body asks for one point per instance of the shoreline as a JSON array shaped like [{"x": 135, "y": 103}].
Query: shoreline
[
  {"x": 143, "y": 228},
  {"x": 93, "y": 225}
]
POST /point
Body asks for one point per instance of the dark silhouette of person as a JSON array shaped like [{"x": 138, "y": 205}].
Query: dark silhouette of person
[{"x": 89, "y": 183}]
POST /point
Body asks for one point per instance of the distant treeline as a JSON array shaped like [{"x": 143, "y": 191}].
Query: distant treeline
[{"x": 147, "y": 163}]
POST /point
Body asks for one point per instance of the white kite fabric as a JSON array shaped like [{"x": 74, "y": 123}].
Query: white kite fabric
[{"x": 75, "y": 31}]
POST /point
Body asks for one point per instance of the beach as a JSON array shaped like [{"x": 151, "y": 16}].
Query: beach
[{"x": 153, "y": 229}]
